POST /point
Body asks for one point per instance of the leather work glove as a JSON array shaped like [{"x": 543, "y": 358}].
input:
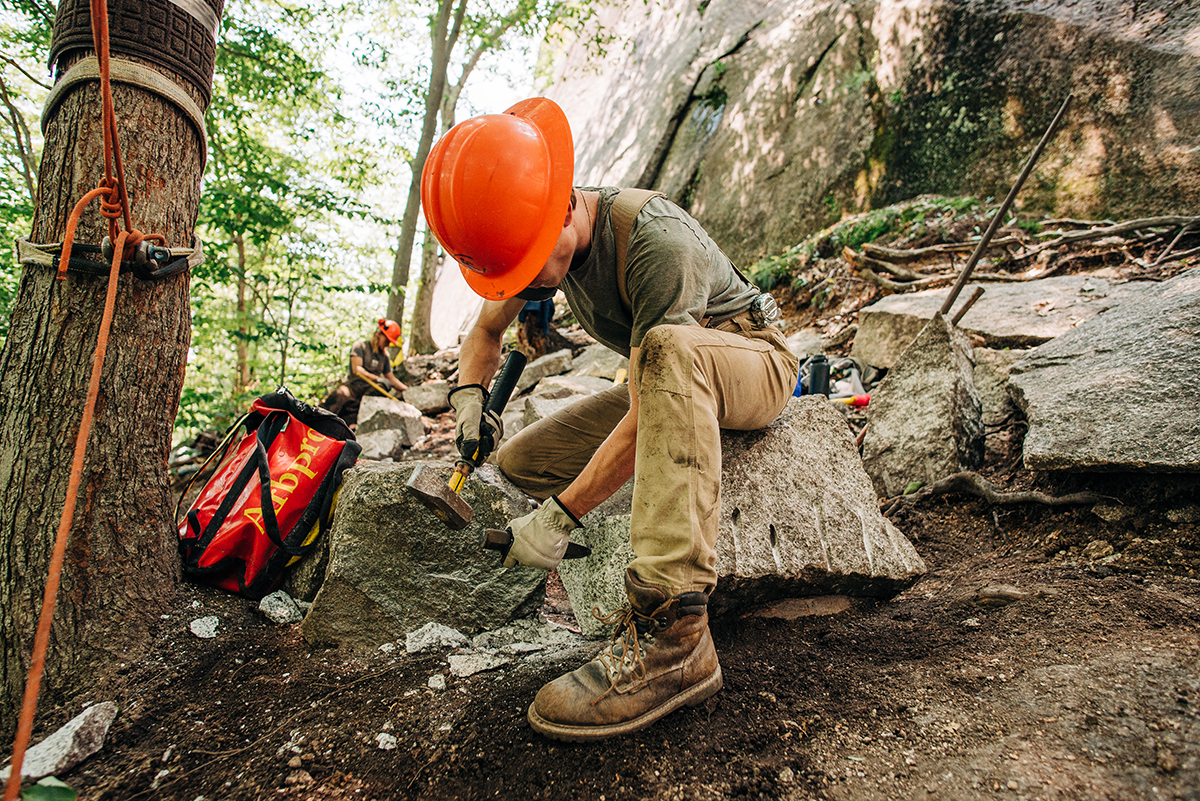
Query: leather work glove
[
  {"x": 540, "y": 538},
  {"x": 475, "y": 429}
]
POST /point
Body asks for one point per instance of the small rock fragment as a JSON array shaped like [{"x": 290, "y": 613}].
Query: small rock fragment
[
  {"x": 463, "y": 665},
  {"x": 205, "y": 627},
  {"x": 387, "y": 742},
  {"x": 81, "y": 737},
  {"x": 278, "y": 607},
  {"x": 299, "y": 777},
  {"x": 1097, "y": 549},
  {"x": 433, "y": 635}
]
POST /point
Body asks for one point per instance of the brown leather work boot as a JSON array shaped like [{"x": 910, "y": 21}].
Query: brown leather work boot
[{"x": 661, "y": 658}]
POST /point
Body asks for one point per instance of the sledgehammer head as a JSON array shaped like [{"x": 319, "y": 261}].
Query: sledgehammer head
[{"x": 432, "y": 491}]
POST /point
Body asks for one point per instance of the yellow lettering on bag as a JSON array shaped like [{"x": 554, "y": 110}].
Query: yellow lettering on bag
[{"x": 289, "y": 481}]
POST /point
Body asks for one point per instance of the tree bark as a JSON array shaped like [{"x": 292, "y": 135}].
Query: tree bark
[
  {"x": 121, "y": 566},
  {"x": 444, "y": 38},
  {"x": 421, "y": 339},
  {"x": 243, "y": 323}
]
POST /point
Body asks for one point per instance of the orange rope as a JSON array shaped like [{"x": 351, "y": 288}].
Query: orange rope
[
  {"x": 42, "y": 639},
  {"x": 113, "y": 184}
]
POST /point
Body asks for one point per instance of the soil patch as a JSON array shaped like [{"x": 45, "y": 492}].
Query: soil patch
[{"x": 1078, "y": 680}]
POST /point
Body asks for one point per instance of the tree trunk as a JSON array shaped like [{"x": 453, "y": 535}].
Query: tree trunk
[
  {"x": 421, "y": 339},
  {"x": 243, "y": 323},
  {"x": 443, "y": 45},
  {"x": 121, "y": 566}
]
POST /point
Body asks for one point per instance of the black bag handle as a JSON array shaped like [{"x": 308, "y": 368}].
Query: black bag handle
[{"x": 218, "y": 453}]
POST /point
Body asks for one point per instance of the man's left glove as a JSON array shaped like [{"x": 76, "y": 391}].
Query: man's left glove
[
  {"x": 476, "y": 431},
  {"x": 541, "y": 537}
]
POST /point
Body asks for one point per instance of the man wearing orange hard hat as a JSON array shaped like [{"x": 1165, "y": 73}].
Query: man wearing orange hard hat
[
  {"x": 645, "y": 280},
  {"x": 370, "y": 372}
]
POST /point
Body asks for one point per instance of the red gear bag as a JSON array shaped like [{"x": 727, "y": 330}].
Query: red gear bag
[{"x": 270, "y": 498}]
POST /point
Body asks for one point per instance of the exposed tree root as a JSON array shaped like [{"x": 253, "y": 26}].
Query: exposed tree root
[
  {"x": 975, "y": 484},
  {"x": 1117, "y": 229},
  {"x": 899, "y": 255}
]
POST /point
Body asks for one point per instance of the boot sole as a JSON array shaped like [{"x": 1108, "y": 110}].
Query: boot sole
[{"x": 692, "y": 696}]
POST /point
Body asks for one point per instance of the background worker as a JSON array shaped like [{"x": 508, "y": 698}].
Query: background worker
[
  {"x": 703, "y": 354},
  {"x": 368, "y": 360}
]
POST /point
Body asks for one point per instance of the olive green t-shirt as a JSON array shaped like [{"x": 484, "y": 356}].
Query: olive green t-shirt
[
  {"x": 674, "y": 274},
  {"x": 373, "y": 362}
]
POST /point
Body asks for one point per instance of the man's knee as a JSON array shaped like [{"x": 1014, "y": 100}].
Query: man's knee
[
  {"x": 666, "y": 340},
  {"x": 666, "y": 356}
]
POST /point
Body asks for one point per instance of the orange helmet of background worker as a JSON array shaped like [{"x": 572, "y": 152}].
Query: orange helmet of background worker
[
  {"x": 390, "y": 329},
  {"x": 496, "y": 190}
]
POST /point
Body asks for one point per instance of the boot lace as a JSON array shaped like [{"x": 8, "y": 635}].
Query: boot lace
[{"x": 625, "y": 653}]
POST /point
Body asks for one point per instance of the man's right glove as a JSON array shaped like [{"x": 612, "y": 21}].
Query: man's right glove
[
  {"x": 540, "y": 538},
  {"x": 476, "y": 432}
]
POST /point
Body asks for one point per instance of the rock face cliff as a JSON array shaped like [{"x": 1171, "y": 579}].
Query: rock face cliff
[{"x": 769, "y": 119}]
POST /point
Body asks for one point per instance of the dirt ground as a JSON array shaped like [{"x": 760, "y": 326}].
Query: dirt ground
[
  {"x": 1077, "y": 678},
  {"x": 1049, "y": 652}
]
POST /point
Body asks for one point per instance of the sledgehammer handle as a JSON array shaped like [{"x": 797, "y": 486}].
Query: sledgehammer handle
[{"x": 506, "y": 381}]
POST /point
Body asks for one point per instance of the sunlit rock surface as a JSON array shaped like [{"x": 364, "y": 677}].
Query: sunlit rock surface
[
  {"x": 1120, "y": 391},
  {"x": 770, "y": 119}
]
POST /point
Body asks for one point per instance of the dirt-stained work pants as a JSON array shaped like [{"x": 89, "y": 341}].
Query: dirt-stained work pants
[{"x": 692, "y": 382}]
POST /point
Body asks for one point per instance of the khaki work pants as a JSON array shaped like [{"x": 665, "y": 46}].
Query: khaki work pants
[{"x": 692, "y": 382}]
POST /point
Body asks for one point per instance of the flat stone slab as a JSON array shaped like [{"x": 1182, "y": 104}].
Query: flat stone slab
[
  {"x": 430, "y": 397},
  {"x": 1018, "y": 315},
  {"x": 599, "y": 361},
  {"x": 551, "y": 364},
  {"x": 799, "y": 517},
  {"x": 924, "y": 421},
  {"x": 1119, "y": 392}
]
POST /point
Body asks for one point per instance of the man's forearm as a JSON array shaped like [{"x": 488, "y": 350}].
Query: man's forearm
[
  {"x": 610, "y": 467},
  {"x": 478, "y": 358}
]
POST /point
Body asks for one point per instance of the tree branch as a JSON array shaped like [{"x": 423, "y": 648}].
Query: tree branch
[
  {"x": 1113, "y": 230},
  {"x": 975, "y": 484},
  {"x": 24, "y": 143},
  {"x": 13, "y": 63}
]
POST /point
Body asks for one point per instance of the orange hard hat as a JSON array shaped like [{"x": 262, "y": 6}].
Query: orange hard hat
[
  {"x": 496, "y": 189},
  {"x": 390, "y": 329}
]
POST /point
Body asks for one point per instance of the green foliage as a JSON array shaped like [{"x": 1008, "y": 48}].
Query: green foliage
[
  {"x": 1030, "y": 226},
  {"x": 25, "y": 27},
  {"x": 294, "y": 268},
  {"x": 908, "y": 219},
  {"x": 49, "y": 789}
]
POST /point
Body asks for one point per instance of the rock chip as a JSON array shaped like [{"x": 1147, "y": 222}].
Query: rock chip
[
  {"x": 433, "y": 635},
  {"x": 205, "y": 627},
  {"x": 81, "y": 737},
  {"x": 463, "y": 665},
  {"x": 278, "y": 607}
]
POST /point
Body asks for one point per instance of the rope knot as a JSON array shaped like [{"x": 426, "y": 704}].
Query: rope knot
[{"x": 110, "y": 202}]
